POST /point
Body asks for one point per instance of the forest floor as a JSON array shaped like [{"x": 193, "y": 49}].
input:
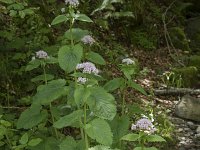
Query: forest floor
[{"x": 183, "y": 130}]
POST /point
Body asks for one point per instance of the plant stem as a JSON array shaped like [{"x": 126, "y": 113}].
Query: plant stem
[
  {"x": 50, "y": 107},
  {"x": 9, "y": 142},
  {"x": 85, "y": 121},
  {"x": 123, "y": 101}
]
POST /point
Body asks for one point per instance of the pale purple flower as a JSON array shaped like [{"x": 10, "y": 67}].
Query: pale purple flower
[
  {"x": 73, "y": 3},
  {"x": 128, "y": 61},
  {"x": 63, "y": 10},
  {"x": 42, "y": 54},
  {"x": 88, "y": 67},
  {"x": 145, "y": 125},
  {"x": 82, "y": 80},
  {"x": 88, "y": 40}
]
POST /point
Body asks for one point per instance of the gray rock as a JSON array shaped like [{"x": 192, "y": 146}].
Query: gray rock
[
  {"x": 198, "y": 130},
  {"x": 197, "y": 136},
  {"x": 191, "y": 125},
  {"x": 188, "y": 108},
  {"x": 177, "y": 121}
]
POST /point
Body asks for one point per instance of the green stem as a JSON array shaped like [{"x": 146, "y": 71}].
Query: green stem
[
  {"x": 9, "y": 142},
  {"x": 85, "y": 121},
  {"x": 71, "y": 26},
  {"x": 50, "y": 107},
  {"x": 123, "y": 101}
]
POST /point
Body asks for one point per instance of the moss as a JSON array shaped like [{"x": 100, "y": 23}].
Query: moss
[
  {"x": 179, "y": 39},
  {"x": 188, "y": 74},
  {"x": 195, "y": 61}
]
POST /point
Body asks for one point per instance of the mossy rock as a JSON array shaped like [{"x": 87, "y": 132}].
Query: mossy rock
[
  {"x": 195, "y": 61},
  {"x": 179, "y": 39},
  {"x": 189, "y": 75}
]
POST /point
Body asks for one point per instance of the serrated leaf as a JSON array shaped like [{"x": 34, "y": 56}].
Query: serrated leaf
[
  {"x": 155, "y": 138},
  {"x": 113, "y": 84},
  {"x": 96, "y": 58},
  {"x": 59, "y": 19},
  {"x": 68, "y": 144},
  {"x": 31, "y": 117},
  {"x": 119, "y": 126},
  {"x": 34, "y": 142},
  {"x": 50, "y": 92},
  {"x": 32, "y": 65},
  {"x": 82, "y": 17},
  {"x": 42, "y": 78},
  {"x": 24, "y": 138},
  {"x": 77, "y": 34},
  {"x": 130, "y": 137},
  {"x": 102, "y": 103},
  {"x": 81, "y": 95},
  {"x": 69, "y": 57},
  {"x": 68, "y": 120},
  {"x": 137, "y": 87},
  {"x": 48, "y": 143},
  {"x": 145, "y": 148},
  {"x": 99, "y": 130},
  {"x": 101, "y": 147}
]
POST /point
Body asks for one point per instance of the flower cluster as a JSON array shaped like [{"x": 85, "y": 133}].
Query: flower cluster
[
  {"x": 144, "y": 124},
  {"x": 62, "y": 10},
  {"x": 73, "y": 3},
  {"x": 88, "y": 67},
  {"x": 82, "y": 80},
  {"x": 88, "y": 40},
  {"x": 42, "y": 54},
  {"x": 128, "y": 61}
]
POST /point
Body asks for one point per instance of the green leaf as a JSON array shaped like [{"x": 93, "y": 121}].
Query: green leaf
[
  {"x": 113, "y": 84},
  {"x": 50, "y": 92},
  {"x": 31, "y": 117},
  {"x": 68, "y": 144},
  {"x": 42, "y": 78},
  {"x": 7, "y": 1},
  {"x": 81, "y": 95},
  {"x": 101, "y": 147},
  {"x": 99, "y": 130},
  {"x": 119, "y": 126},
  {"x": 155, "y": 138},
  {"x": 102, "y": 103},
  {"x": 68, "y": 57},
  {"x": 137, "y": 87},
  {"x": 24, "y": 138},
  {"x": 82, "y": 17},
  {"x": 48, "y": 143},
  {"x": 130, "y": 137},
  {"x": 32, "y": 65},
  {"x": 96, "y": 58},
  {"x": 77, "y": 34},
  {"x": 145, "y": 148},
  {"x": 34, "y": 142},
  {"x": 59, "y": 19},
  {"x": 68, "y": 120}
]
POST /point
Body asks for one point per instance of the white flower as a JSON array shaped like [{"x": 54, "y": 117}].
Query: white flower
[
  {"x": 33, "y": 58},
  {"x": 42, "y": 54},
  {"x": 88, "y": 67},
  {"x": 73, "y": 3},
  {"x": 88, "y": 40},
  {"x": 63, "y": 10},
  {"x": 128, "y": 61},
  {"x": 82, "y": 80}
]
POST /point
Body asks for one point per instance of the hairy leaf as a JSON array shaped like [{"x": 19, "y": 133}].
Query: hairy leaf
[
  {"x": 96, "y": 58},
  {"x": 59, "y": 19},
  {"x": 130, "y": 137},
  {"x": 99, "y": 130},
  {"x": 69, "y": 57}
]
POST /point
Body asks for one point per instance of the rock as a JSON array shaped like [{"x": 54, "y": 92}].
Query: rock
[
  {"x": 197, "y": 136},
  {"x": 188, "y": 108},
  {"x": 191, "y": 125},
  {"x": 177, "y": 121},
  {"x": 198, "y": 130}
]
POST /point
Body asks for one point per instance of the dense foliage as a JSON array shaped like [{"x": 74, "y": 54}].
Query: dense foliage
[{"x": 56, "y": 91}]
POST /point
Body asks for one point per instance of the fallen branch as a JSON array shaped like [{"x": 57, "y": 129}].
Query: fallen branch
[{"x": 177, "y": 91}]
